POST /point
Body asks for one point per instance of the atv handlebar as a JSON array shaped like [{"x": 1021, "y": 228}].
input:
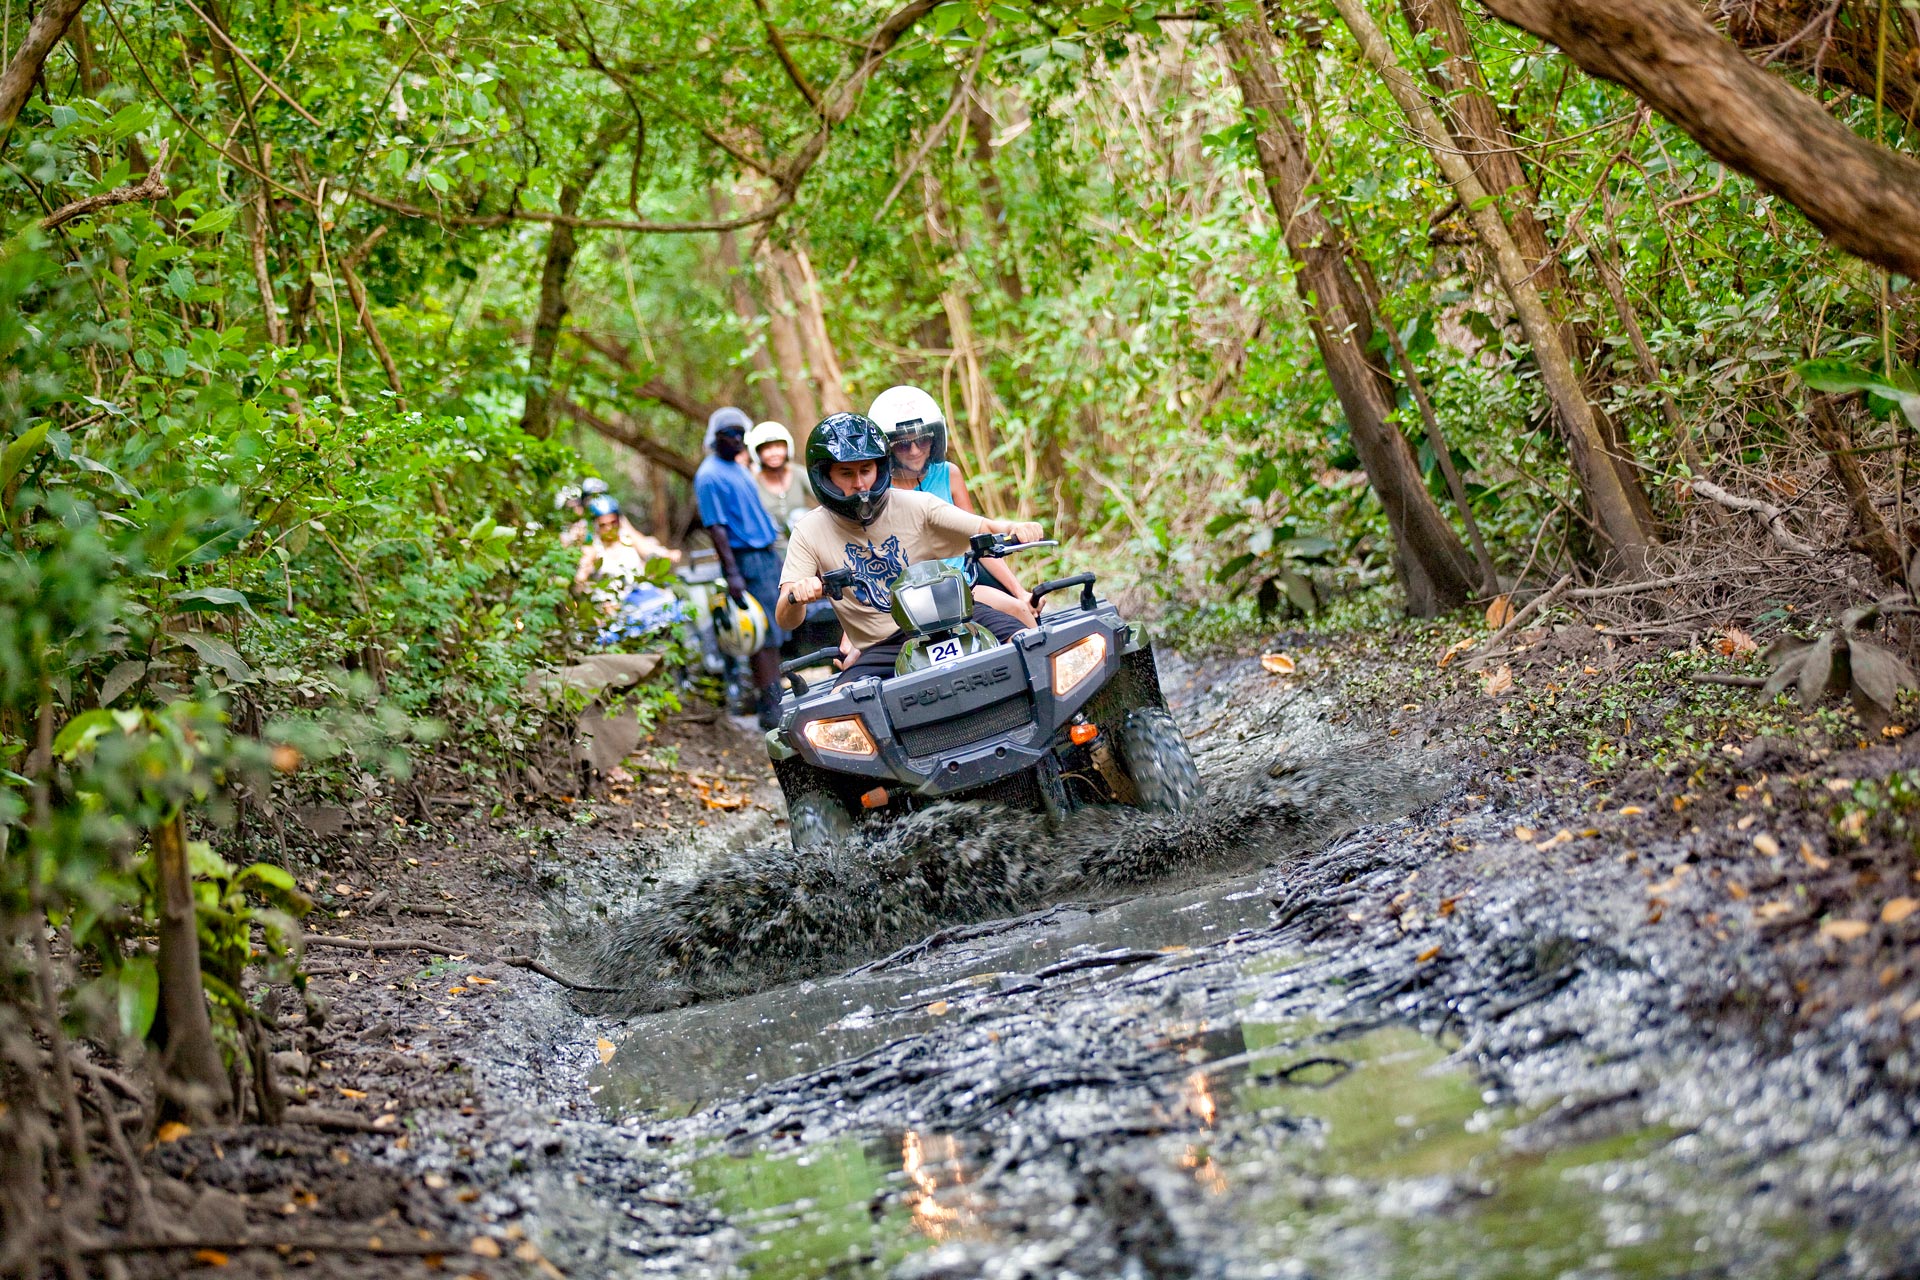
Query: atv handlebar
[
  {"x": 791, "y": 668},
  {"x": 836, "y": 581},
  {"x": 1084, "y": 581}
]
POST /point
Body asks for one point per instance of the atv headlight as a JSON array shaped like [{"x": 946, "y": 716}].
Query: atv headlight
[
  {"x": 1077, "y": 661},
  {"x": 844, "y": 735}
]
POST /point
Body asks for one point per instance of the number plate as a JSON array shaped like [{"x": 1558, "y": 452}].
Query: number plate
[{"x": 945, "y": 650}]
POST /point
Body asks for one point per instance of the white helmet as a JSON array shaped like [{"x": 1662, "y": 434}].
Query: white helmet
[
  {"x": 908, "y": 413},
  {"x": 739, "y": 631},
  {"x": 769, "y": 433}
]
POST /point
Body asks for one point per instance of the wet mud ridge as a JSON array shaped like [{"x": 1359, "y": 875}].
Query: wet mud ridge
[{"x": 1341, "y": 1024}]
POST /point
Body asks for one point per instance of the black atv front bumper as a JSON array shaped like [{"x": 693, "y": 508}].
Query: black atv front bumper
[{"x": 963, "y": 725}]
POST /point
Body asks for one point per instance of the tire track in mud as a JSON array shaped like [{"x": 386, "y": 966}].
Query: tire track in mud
[{"x": 763, "y": 915}]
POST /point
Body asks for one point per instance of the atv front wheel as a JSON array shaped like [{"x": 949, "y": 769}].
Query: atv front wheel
[
  {"x": 817, "y": 821},
  {"x": 1155, "y": 756}
]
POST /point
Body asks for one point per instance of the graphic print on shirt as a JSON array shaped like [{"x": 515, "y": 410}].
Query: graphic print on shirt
[{"x": 874, "y": 569}]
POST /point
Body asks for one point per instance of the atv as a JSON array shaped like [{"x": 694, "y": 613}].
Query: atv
[{"x": 1064, "y": 714}]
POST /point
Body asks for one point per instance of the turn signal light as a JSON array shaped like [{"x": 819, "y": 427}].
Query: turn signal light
[
  {"x": 874, "y": 799},
  {"x": 1082, "y": 733},
  {"x": 844, "y": 735},
  {"x": 1077, "y": 661}
]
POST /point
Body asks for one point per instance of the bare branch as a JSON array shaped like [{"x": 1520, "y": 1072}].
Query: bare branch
[
  {"x": 151, "y": 187},
  {"x": 753, "y": 217},
  {"x": 624, "y": 430},
  {"x": 254, "y": 67}
]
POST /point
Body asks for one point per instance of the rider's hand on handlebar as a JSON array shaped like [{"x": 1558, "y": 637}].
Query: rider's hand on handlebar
[
  {"x": 1028, "y": 531},
  {"x": 806, "y": 590}
]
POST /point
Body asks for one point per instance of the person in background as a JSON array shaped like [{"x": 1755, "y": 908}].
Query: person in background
[
  {"x": 743, "y": 537},
  {"x": 616, "y": 554},
  {"x": 570, "y": 505},
  {"x": 916, "y": 431},
  {"x": 784, "y": 489}
]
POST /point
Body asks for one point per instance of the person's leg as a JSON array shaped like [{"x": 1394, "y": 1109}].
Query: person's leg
[
  {"x": 1003, "y": 626},
  {"x": 874, "y": 660},
  {"x": 993, "y": 598},
  {"x": 761, "y": 569}
]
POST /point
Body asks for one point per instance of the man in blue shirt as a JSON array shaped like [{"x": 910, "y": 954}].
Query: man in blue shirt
[{"x": 743, "y": 537}]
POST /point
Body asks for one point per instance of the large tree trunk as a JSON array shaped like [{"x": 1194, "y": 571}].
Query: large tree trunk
[
  {"x": 1493, "y": 151},
  {"x": 16, "y": 82},
  {"x": 1618, "y": 518},
  {"x": 1436, "y": 572},
  {"x": 768, "y": 384},
  {"x": 536, "y": 419},
  {"x": 191, "y": 1063},
  {"x": 1863, "y": 196}
]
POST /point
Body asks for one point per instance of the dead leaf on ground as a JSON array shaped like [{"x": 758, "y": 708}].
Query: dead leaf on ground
[
  {"x": 1912, "y": 1014},
  {"x": 1631, "y": 811},
  {"x": 1524, "y": 833},
  {"x": 1426, "y": 955},
  {"x": 1558, "y": 838},
  {"x": 1845, "y": 930},
  {"x": 1454, "y": 650},
  {"x": 1733, "y": 643},
  {"x": 1899, "y": 909},
  {"x": 210, "y": 1257},
  {"x": 1764, "y": 843},
  {"x": 1277, "y": 664},
  {"x": 938, "y": 1008},
  {"x": 1500, "y": 612},
  {"x": 352, "y": 1093},
  {"x": 1671, "y": 883},
  {"x": 1497, "y": 683},
  {"x": 172, "y": 1131},
  {"x": 1813, "y": 859},
  {"x": 485, "y": 1247},
  {"x": 1773, "y": 910},
  {"x": 605, "y": 1048},
  {"x": 1837, "y": 785}
]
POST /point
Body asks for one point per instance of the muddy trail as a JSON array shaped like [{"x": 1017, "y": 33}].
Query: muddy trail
[{"x": 1393, "y": 1004}]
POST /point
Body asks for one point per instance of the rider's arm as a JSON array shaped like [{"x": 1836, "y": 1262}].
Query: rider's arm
[
  {"x": 961, "y": 498},
  {"x": 589, "y": 560},
  {"x": 736, "y": 584},
  {"x": 800, "y": 585}
]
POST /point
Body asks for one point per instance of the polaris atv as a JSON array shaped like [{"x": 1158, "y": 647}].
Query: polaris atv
[{"x": 1064, "y": 714}]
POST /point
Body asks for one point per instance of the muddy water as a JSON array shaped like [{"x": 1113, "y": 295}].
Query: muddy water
[{"x": 1279, "y": 1074}]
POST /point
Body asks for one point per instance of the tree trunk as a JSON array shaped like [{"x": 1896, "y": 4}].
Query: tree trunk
[
  {"x": 1863, "y": 196},
  {"x": 1618, "y": 518},
  {"x": 191, "y": 1062},
  {"x": 768, "y": 384},
  {"x": 16, "y": 82},
  {"x": 1435, "y": 570},
  {"x": 1006, "y": 264},
  {"x": 536, "y": 419},
  {"x": 1875, "y": 540},
  {"x": 1493, "y": 152}
]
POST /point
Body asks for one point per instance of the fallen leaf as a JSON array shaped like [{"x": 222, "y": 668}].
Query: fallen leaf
[
  {"x": 352, "y": 1093},
  {"x": 1899, "y": 909},
  {"x": 1671, "y": 882},
  {"x": 1500, "y": 612},
  {"x": 475, "y": 980},
  {"x": 1913, "y": 1012},
  {"x": 1764, "y": 843},
  {"x": 1631, "y": 811},
  {"x": 1560, "y": 837},
  {"x": 938, "y": 1008},
  {"x": 485, "y": 1246},
  {"x": 1448, "y": 905},
  {"x": 1426, "y": 955},
  {"x": 1838, "y": 785},
  {"x": 436, "y": 1181},
  {"x": 1497, "y": 683},
  {"x": 387, "y": 1121},
  {"x": 605, "y": 1046},
  {"x": 1733, "y": 642},
  {"x": 344, "y": 889},
  {"x": 527, "y": 1251},
  {"x": 1277, "y": 664},
  {"x": 1524, "y": 833},
  {"x": 1893, "y": 731},
  {"x": 172, "y": 1131},
  {"x": 286, "y": 759},
  {"x": 1454, "y": 650},
  {"x": 1845, "y": 930},
  {"x": 1773, "y": 910},
  {"x": 1746, "y": 822},
  {"x": 1735, "y": 890},
  {"x": 456, "y": 991},
  {"x": 210, "y": 1257},
  {"x": 1813, "y": 859}
]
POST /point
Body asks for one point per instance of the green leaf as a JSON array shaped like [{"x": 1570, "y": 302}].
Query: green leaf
[
  {"x": 216, "y": 652},
  {"x": 210, "y": 600},
  {"x": 213, "y": 223},
  {"x": 82, "y": 732},
  {"x": 1840, "y": 376},
  {"x": 1221, "y": 523},
  {"x": 268, "y": 874},
  {"x": 180, "y": 284},
  {"x": 138, "y": 996},
  {"x": 122, "y": 678},
  {"x": 15, "y": 458}
]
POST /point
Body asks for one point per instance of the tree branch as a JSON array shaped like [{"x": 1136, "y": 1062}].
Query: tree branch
[
  {"x": 786, "y": 58},
  {"x": 624, "y": 430},
  {"x": 1864, "y": 197},
  {"x": 654, "y": 388},
  {"x": 254, "y": 67},
  {"x": 151, "y": 187},
  {"x": 1774, "y": 517},
  {"x": 49, "y": 25},
  {"x": 751, "y": 218}
]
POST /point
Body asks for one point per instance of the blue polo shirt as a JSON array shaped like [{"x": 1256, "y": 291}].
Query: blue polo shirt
[{"x": 726, "y": 494}]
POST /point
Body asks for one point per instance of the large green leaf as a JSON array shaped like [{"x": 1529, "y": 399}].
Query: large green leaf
[{"x": 138, "y": 996}]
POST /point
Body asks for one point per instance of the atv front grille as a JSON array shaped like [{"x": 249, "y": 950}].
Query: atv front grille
[{"x": 946, "y": 735}]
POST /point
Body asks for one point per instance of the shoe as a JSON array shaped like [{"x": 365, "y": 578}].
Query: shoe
[{"x": 769, "y": 709}]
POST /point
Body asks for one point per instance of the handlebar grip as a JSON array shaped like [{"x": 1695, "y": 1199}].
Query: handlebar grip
[
  {"x": 837, "y": 581},
  {"x": 1084, "y": 581}
]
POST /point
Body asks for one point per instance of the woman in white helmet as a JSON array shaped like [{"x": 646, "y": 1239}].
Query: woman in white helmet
[
  {"x": 917, "y": 432},
  {"x": 784, "y": 489}
]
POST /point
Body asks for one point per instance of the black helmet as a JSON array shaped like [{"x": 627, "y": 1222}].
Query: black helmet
[{"x": 849, "y": 437}]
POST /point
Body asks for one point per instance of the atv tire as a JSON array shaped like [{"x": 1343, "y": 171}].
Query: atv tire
[
  {"x": 1154, "y": 753},
  {"x": 816, "y": 822}
]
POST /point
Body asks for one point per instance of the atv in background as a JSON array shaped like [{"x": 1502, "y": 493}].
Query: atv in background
[{"x": 1066, "y": 713}]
